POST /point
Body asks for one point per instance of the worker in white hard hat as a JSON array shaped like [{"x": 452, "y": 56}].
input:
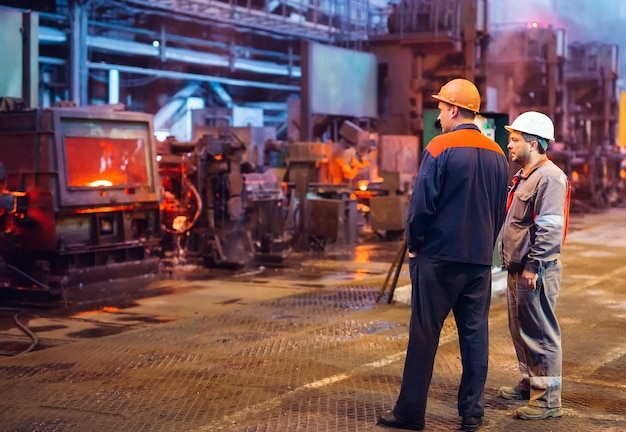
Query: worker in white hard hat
[
  {"x": 454, "y": 216},
  {"x": 530, "y": 246}
]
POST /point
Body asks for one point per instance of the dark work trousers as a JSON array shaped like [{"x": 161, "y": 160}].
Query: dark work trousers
[
  {"x": 536, "y": 335},
  {"x": 438, "y": 287}
]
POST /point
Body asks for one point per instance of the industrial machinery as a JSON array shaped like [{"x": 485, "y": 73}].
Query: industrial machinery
[
  {"x": 526, "y": 71},
  {"x": 591, "y": 155},
  {"x": 216, "y": 209},
  {"x": 516, "y": 68},
  {"x": 267, "y": 214},
  {"x": 533, "y": 68},
  {"x": 83, "y": 194},
  {"x": 203, "y": 187},
  {"x": 428, "y": 43}
]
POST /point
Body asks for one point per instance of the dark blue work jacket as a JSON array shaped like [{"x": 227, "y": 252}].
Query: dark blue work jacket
[{"x": 459, "y": 198}]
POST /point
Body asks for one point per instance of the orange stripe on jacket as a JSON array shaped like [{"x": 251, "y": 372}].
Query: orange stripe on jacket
[{"x": 461, "y": 138}]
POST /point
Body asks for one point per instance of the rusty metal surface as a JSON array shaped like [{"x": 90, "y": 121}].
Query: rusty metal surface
[{"x": 306, "y": 350}]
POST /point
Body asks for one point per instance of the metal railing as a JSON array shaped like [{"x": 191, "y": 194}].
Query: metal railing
[{"x": 322, "y": 20}]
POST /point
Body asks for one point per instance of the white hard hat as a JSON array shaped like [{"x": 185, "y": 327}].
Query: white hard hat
[{"x": 534, "y": 123}]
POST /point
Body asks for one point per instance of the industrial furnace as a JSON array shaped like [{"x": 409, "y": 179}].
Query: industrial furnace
[{"x": 84, "y": 194}]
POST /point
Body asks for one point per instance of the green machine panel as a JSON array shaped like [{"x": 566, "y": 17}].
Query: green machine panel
[{"x": 431, "y": 125}]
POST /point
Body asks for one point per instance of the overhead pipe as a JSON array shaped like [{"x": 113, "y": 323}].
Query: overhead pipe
[
  {"x": 191, "y": 76},
  {"x": 164, "y": 38},
  {"x": 269, "y": 106},
  {"x": 51, "y": 36}
]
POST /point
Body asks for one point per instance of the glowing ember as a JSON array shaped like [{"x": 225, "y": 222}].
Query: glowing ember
[
  {"x": 179, "y": 223},
  {"x": 101, "y": 183}
]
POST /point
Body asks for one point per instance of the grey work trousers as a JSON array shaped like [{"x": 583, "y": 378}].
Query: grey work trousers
[{"x": 536, "y": 335}]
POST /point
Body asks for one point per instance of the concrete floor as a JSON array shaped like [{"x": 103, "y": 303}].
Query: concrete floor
[{"x": 301, "y": 348}]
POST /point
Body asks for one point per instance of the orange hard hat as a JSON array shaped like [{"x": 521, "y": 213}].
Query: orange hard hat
[{"x": 460, "y": 92}]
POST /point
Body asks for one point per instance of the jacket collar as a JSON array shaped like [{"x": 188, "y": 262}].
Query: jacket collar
[{"x": 465, "y": 126}]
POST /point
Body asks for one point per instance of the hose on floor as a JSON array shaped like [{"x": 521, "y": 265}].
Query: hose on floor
[{"x": 24, "y": 328}]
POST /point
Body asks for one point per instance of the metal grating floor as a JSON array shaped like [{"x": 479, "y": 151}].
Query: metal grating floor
[{"x": 323, "y": 359}]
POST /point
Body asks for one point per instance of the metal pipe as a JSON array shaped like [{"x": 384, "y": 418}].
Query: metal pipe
[
  {"x": 49, "y": 36},
  {"x": 190, "y": 56},
  {"x": 192, "y": 76},
  {"x": 114, "y": 86}
]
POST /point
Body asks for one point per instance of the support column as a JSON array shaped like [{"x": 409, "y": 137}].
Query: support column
[
  {"x": 78, "y": 54},
  {"x": 30, "y": 58},
  {"x": 306, "y": 120}
]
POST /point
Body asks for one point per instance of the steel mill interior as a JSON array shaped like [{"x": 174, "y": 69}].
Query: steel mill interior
[{"x": 203, "y": 207}]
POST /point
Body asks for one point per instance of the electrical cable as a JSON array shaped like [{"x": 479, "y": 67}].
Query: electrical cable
[
  {"x": 42, "y": 285},
  {"x": 24, "y": 328}
]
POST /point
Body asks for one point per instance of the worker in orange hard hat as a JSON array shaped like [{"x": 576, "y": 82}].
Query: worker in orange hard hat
[
  {"x": 460, "y": 93},
  {"x": 456, "y": 210}
]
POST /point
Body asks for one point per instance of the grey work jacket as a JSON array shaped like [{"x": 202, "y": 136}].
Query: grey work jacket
[{"x": 535, "y": 223}]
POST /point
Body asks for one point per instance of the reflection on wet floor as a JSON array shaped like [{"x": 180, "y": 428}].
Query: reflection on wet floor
[
  {"x": 114, "y": 306},
  {"x": 96, "y": 332}
]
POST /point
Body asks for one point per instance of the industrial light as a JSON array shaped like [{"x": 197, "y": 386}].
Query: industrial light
[{"x": 161, "y": 135}]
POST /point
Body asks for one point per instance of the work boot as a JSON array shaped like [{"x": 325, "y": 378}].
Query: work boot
[
  {"x": 513, "y": 393},
  {"x": 389, "y": 419},
  {"x": 529, "y": 412},
  {"x": 471, "y": 424}
]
